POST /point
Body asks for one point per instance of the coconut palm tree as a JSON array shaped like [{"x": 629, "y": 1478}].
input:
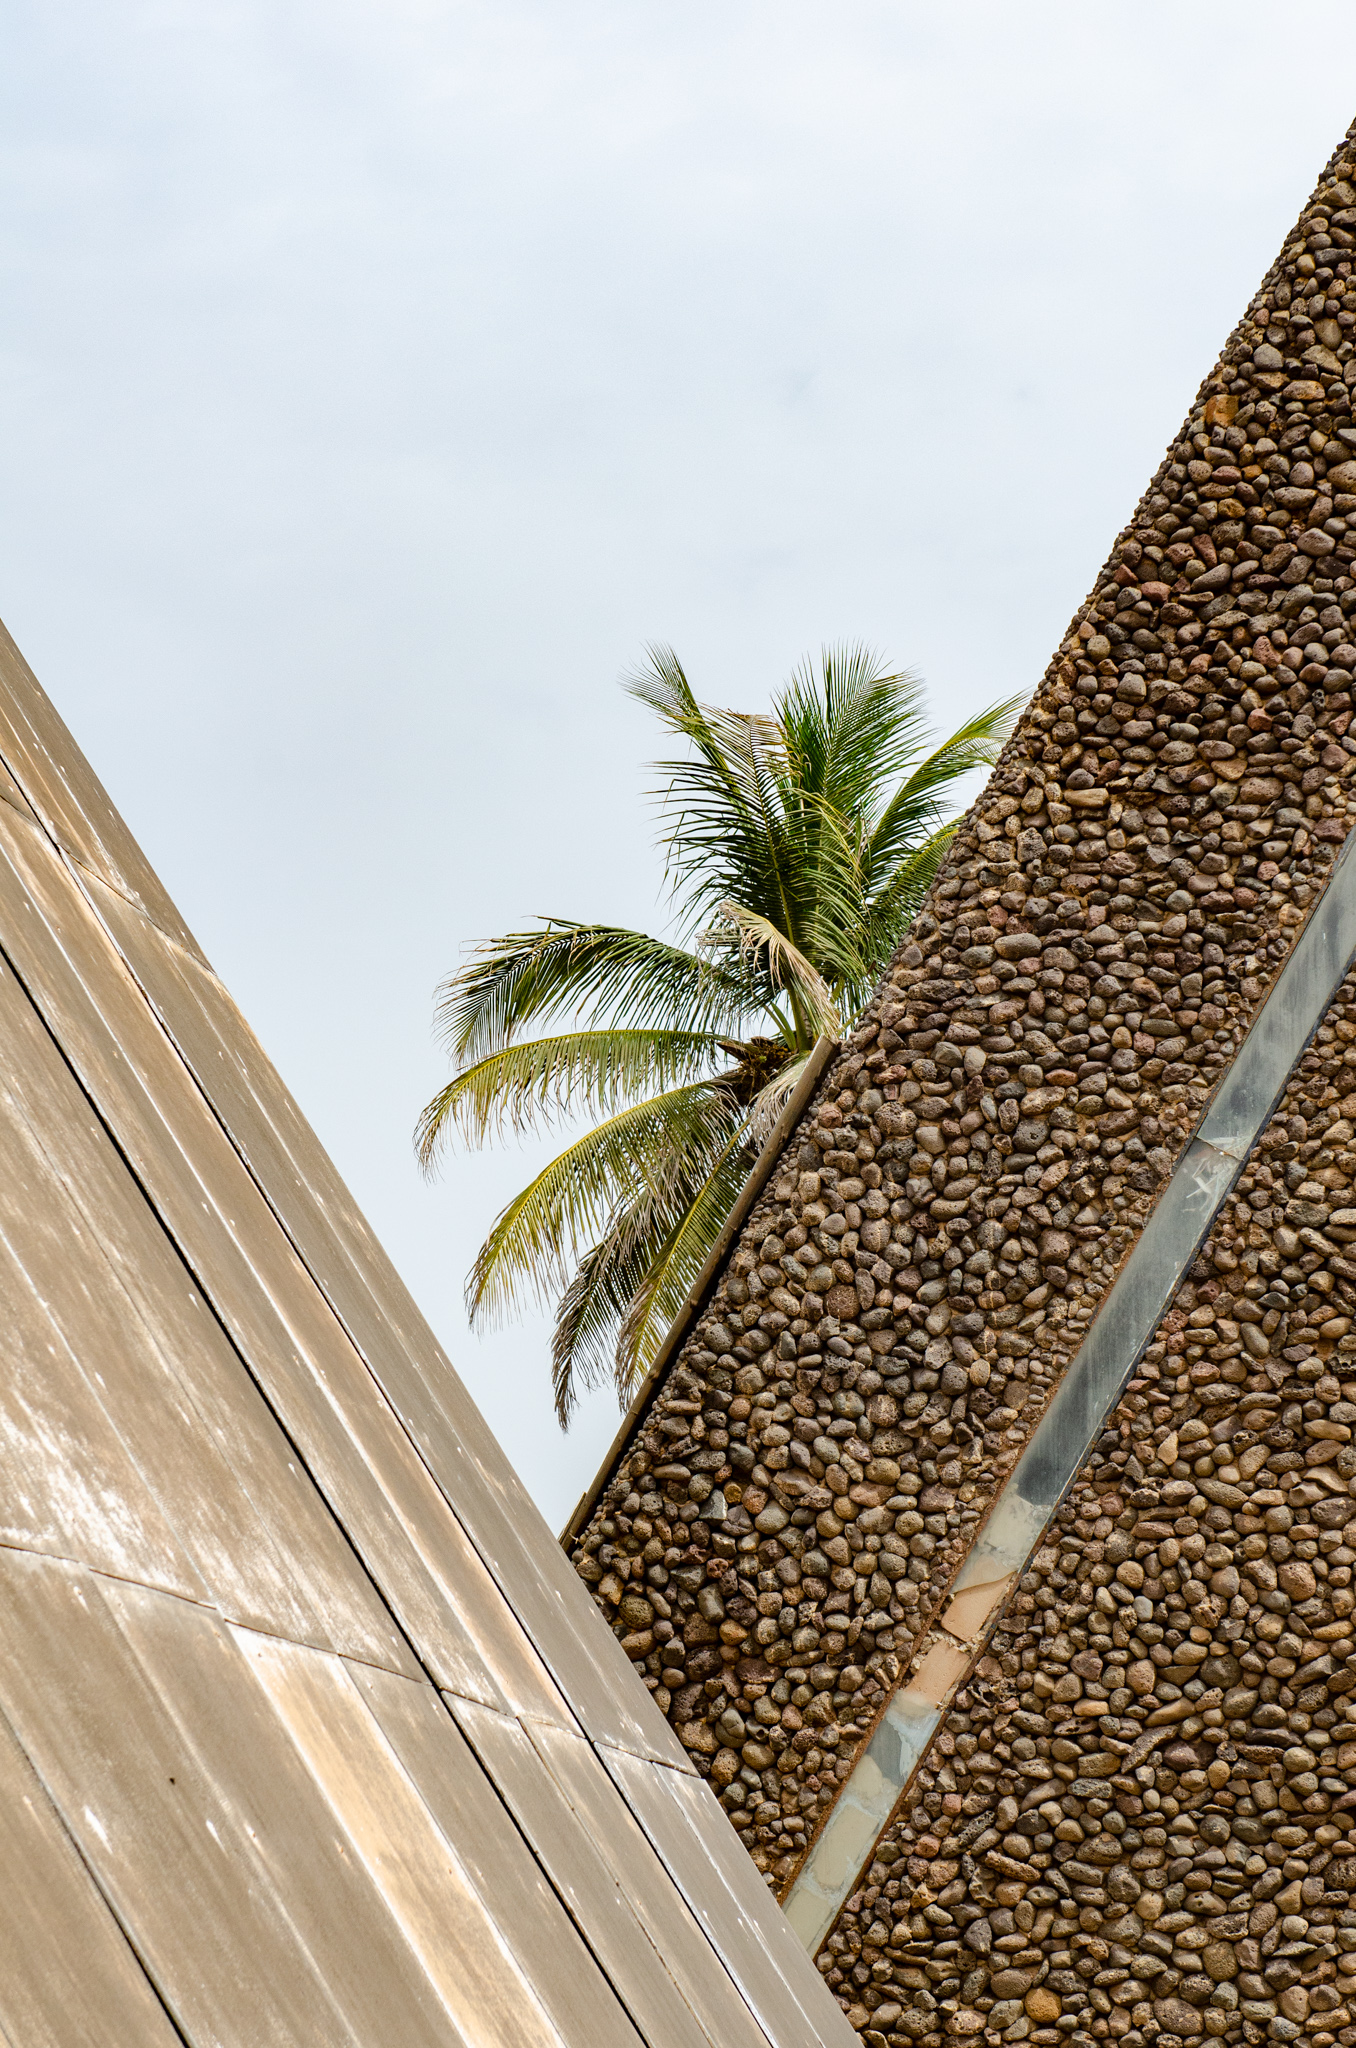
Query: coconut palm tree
[{"x": 798, "y": 844}]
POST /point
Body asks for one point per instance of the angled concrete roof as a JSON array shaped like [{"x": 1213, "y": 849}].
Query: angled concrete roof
[{"x": 308, "y": 1732}]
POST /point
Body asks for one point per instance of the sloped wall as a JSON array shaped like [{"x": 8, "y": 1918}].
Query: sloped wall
[
  {"x": 1138, "y": 1821},
  {"x": 787, "y": 1522},
  {"x": 307, "y": 1731}
]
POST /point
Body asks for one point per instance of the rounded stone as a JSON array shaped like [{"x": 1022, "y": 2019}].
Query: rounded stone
[
  {"x": 1108, "y": 1604},
  {"x": 1220, "y": 1962},
  {"x": 1042, "y": 2006},
  {"x": 1297, "y": 1579},
  {"x": 1175, "y": 2016}
]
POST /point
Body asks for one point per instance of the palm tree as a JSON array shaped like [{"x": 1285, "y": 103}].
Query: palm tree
[{"x": 798, "y": 845}]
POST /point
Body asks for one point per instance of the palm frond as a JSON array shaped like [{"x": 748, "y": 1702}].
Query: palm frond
[
  {"x": 598, "y": 1298},
  {"x": 786, "y": 967},
  {"x": 623, "y": 977},
  {"x": 772, "y": 1098},
  {"x": 723, "y": 804},
  {"x": 672, "y": 1273},
  {"x": 535, "y": 1239},
  {"x": 916, "y": 806},
  {"x": 831, "y": 893},
  {"x": 893, "y": 909},
  {"x": 852, "y": 729},
  {"x": 622, "y": 1269},
  {"x": 533, "y": 1081}
]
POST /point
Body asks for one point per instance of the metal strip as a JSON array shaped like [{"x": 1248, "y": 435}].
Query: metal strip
[
  {"x": 816, "y": 1060},
  {"x": 1181, "y": 1220}
]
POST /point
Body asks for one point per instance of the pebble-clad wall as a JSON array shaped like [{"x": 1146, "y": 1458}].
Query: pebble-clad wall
[
  {"x": 795, "y": 1501},
  {"x": 1139, "y": 1819}
]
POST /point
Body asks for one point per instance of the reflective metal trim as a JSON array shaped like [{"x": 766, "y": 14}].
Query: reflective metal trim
[
  {"x": 1181, "y": 1220},
  {"x": 859, "y": 1818}
]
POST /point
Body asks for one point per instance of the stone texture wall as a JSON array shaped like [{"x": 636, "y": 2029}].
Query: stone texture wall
[
  {"x": 981, "y": 1155},
  {"x": 1137, "y": 1822}
]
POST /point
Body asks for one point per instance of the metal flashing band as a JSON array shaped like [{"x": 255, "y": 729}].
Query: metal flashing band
[{"x": 1136, "y": 1303}]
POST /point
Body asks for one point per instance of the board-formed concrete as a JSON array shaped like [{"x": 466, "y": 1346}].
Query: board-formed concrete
[
  {"x": 308, "y": 1733},
  {"x": 1122, "y": 1824}
]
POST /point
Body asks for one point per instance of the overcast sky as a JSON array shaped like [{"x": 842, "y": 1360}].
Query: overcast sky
[{"x": 376, "y": 380}]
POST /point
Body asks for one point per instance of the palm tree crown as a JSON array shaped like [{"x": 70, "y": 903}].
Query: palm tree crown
[{"x": 798, "y": 844}]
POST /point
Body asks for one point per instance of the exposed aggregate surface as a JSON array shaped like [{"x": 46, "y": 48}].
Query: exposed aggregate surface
[
  {"x": 1137, "y": 1821},
  {"x": 794, "y": 1503}
]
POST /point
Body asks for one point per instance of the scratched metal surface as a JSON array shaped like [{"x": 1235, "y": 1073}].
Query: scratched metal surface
[
  {"x": 729, "y": 1900},
  {"x": 307, "y": 1731},
  {"x": 162, "y": 1836},
  {"x": 148, "y": 1404},
  {"x": 465, "y": 1803},
  {"x": 350, "y": 1440},
  {"x": 12, "y": 794}
]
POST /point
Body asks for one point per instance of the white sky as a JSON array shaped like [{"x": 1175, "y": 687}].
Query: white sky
[{"x": 376, "y": 381}]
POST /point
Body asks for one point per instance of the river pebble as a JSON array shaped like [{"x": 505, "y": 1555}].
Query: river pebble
[{"x": 787, "y": 1517}]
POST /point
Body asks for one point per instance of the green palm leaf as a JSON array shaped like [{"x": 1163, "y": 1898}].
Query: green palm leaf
[
  {"x": 594, "y": 1306},
  {"x": 629, "y": 1287},
  {"x": 725, "y": 822},
  {"x": 677, "y": 1264},
  {"x": 536, "y": 1238},
  {"x": 626, "y": 977},
  {"x": 772, "y": 1098},
  {"x": 852, "y": 729},
  {"x": 914, "y": 808},
  {"x": 786, "y": 967},
  {"x": 531, "y": 1083},
  {"x": 798, "y": 844},
  {"x": 893, "y": 909}
]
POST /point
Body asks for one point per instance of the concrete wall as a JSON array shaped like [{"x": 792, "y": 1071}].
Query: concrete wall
[{"x": 778, "y": 1541}]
